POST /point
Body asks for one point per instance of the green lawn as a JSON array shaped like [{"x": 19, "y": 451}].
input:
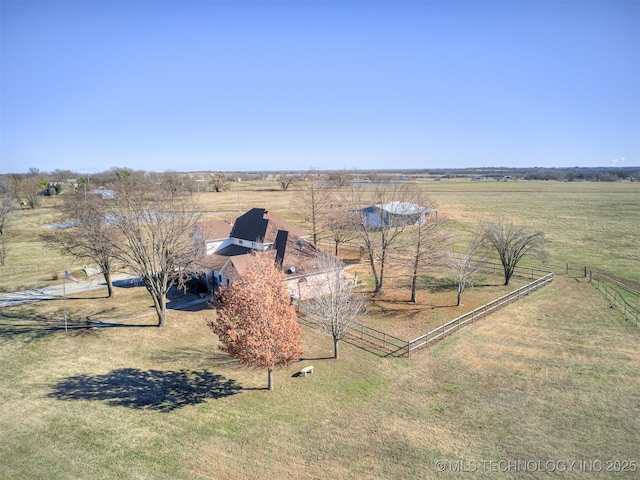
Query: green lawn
[
  {"x": 586, "y": 223},
  {"x": 552, "y": 377}
]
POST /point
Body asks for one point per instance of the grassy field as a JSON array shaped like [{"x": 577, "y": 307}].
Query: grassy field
[
  {"x": 586, "y": 223},
  {"x": 551, "y": 378}
]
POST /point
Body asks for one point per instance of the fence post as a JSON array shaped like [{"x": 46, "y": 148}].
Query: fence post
[
  {"x": 567, "y": 272},
  {"x": 585, "y": 271},
  {"x": 408, "y": 348},
  {"x": 590, "y": 276}
]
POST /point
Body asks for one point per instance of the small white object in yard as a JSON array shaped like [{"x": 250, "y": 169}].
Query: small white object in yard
[{"x": 306, "y": 370}]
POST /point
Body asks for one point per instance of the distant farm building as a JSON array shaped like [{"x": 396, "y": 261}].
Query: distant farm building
[{"x": 395, "y": 215}]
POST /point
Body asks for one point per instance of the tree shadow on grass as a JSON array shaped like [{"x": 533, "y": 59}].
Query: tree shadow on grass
[
  {"x": 127, "y": 283},
  {"x": 70, "y": 299},
  {"x": 405, "y": 310},
  {"x": 199, "y": 356},
  {"x": 374, "y": 348},
  {"x": 160, "y": 391},
  {"x": 26, "y": 325}
]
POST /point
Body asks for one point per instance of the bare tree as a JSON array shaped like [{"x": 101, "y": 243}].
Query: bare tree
[
  {"x": 5, "y": 211},
  {"x": 27, "y": 191},
  {"x": 313, "y": 202},
  {"x": 340, "y": 227},
  {"x": 4, "y": 250},
  {"x": 285, "y": 181},
  {"x": 218, "y": 182},
  {"x": 340, "y": 178},
  {"x": 466, "y": 265},
  {"x": 380, "y": 222},
  {"x": 175, "y": 182},
  {"x": 376, "y": 176},
  {"x": 15, "y": 189},
  {"x": 88, "y": 235},
  {"x": 513, "y": 243},
  {"x": 335, "y": 308},
  {"x": 155, "y": 228},
  {"x": 256, "y": 322},
  {"x": 426, "y": 241}
]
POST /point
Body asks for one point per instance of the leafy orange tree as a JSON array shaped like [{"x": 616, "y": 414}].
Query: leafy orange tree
[{"x": 256, "y": 322}]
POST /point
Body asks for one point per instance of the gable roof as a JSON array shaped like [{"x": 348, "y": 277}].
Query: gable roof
[
  {"x": 241, "y": 263},
  {"x": 299, "y": 254},
  {"x": 214, "y": 229},
  {"x": 295, "y": 255},
  {"x": 261, "y": 225}
]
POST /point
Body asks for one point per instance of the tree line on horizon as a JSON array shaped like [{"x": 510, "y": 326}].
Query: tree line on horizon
[{"x": 34, "y": 181}]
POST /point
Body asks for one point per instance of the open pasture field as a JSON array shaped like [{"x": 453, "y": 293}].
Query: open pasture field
[
  {"x": 553, "y": 377},
  {"x": 586, "y": 223}
]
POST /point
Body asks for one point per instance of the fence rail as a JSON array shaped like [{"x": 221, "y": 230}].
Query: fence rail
[
  {"x": 611, "y": 286},
  {"x": 630, "y": 313},
  {"x": 527, "y": 272},
  {"x": 382, "y": 342},
  {"x": 623, "y": 293},
  {"x": 442, "y": 331},
  {"x": 386, "y": 344},
  {"x": 390, "y": 345}
]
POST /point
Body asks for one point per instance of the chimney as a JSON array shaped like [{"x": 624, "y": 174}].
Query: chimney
[{"x": 280, "y": 245}]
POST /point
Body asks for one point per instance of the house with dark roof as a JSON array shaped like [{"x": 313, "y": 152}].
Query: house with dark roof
[
  {"x": 214, "y": 234},
  {"x": 258, "y": 230}
]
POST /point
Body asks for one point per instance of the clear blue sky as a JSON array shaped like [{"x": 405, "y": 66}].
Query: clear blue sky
[{"x": 210, "y": 85}]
